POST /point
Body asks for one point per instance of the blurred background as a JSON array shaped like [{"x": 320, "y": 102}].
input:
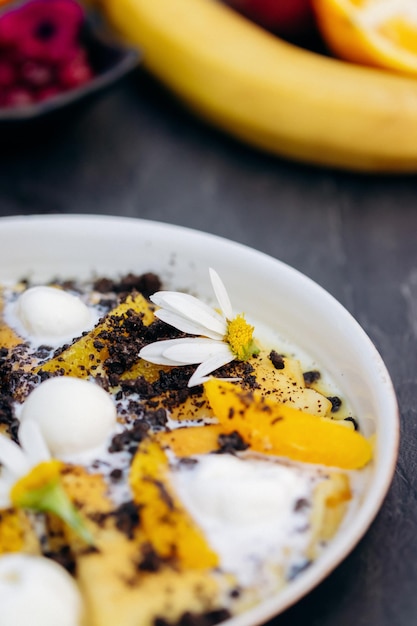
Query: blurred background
[{"x": 306, "y": 151}]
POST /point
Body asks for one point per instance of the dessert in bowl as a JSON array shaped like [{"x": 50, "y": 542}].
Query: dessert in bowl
[{"x": 201, "y": 431}]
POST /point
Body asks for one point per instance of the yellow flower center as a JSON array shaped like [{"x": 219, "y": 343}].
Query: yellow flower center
[
  {"x": 38, "y": 478},
  {"x": 239, "y": 336}
]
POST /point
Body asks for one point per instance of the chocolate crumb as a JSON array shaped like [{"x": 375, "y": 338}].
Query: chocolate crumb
[
  {"x": 127, "y": 518},
  {"x": 231, "y": 443},
  {"x": 63, "y": 557},
  {"x": 277, "y": 360},
  {"x": 157, "y": 419},
  {"x": 311, "y": 377},
  {"x": 150, "y": 560},
  {"x": 146, "y": 284},
  {"x": 336, "y": 403},
  {"x": 187, "y": 461},
  {"x": 125, "y": 439},
  {"x": 301, "y": 504},
  {"x": 116, "y": 474},
  {"x": 354, "y": 422},
  {"x": 7, "y": 416}
]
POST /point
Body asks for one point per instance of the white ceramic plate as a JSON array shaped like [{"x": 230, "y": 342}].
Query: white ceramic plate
[{"x": 265, "y": 289}]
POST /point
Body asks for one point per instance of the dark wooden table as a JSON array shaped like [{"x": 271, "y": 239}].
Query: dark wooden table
[{"x": 135, "y": 152}]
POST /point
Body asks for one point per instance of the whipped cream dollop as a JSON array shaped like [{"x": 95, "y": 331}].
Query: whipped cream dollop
[
  {"x": 37, "y": 591},
  {"x": 50, "y": 315},
  {"x": 249, "y": 510},
  {"x": 74, "y": 415}
]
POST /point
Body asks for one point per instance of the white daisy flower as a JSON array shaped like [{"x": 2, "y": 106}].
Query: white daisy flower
[
  {"x": 219, "y": 337},
  {"x": 30, "y": 478}
]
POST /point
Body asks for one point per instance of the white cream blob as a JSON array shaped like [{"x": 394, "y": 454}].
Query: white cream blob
[
  {"x": 249, "y": 511},
  {"x": 74, "y": 415},
  {"x": 50, "y": 315},
  {"x": 37, "y": 591}
]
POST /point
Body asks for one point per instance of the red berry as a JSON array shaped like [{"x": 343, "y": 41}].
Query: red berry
[
  {"x": 43, "y": 30},
  {"x": 75, "y": 73},
  {"x": 36, "y": 74},
  {"x": 8, "y": 75},
  {"x": 17, "y": 97},
  {"x": 47, "y": 92}
]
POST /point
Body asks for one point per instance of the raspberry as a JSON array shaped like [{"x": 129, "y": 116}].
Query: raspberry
[
  {"x": 40, "y": 51},
  {"x": 47, "y": 92},
  {"x": 36, "y": 74},
  {"x": 7, "y": 74},
  {"x": 75, "y": 73},
  {"x": 43, "y": 29},
  {"x": 17, "y": 97}
]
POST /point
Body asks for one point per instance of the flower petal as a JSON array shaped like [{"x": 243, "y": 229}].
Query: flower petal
[
  {"x": 33, "y": 443},
  {"x": 209, "y": 366},
  {"x": 154, "y": 352},
  {"x": 4, "y": 501},
  {"x": 221, "y": 294},
  {"x": 191, "y": 351},
  {"x": 7, "y": 480},
  {"x": 192, "y": 309},
  {"x": 13, "y": 457},
  {"x": 185, "y": 325}
]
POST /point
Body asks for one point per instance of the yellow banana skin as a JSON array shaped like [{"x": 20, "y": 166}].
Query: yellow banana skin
[{"x": 270, "y": 94}]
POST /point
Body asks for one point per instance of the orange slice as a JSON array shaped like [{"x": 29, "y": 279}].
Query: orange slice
[
  {"x": 273, "y": 428},
  {"x": 380, "y": 33}
]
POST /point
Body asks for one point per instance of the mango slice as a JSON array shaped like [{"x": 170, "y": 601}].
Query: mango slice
[
  {"x": 191, "y": 440},
  {"x": 287, "y": 385},
  {"x": 118, "y": 585},
  {"x": 115, "y": 591},
  {"x": 17, "y": 533},
  {"x": 86, "y": 356},
  {"x": 273, "y": 428},
  {"x": 164, "y": 521}
]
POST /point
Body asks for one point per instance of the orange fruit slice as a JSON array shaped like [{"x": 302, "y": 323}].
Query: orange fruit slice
[
  {"x": 379, "y": 33},
  {"x": 273, "y": 428}
]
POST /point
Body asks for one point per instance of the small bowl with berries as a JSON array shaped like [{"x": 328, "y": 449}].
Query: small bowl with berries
[{"x": 54, "y": 53}]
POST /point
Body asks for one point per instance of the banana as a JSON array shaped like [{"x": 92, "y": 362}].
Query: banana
[{"x": 273, "y": 95}]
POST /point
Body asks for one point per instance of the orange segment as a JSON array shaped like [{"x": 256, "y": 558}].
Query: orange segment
[
  {"x": 279, "y": 429},
  {"x": 164, "y": 521},
  {"x": 380, "y": 33}
]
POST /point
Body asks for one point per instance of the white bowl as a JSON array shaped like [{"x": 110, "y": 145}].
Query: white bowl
[{"x": 265, "y": 289}]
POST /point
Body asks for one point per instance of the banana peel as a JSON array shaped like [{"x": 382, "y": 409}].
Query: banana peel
[{"x": 271, "y": 94}]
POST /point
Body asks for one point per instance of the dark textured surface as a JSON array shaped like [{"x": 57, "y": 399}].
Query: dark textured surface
[{"x": 134, "y": 152}]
